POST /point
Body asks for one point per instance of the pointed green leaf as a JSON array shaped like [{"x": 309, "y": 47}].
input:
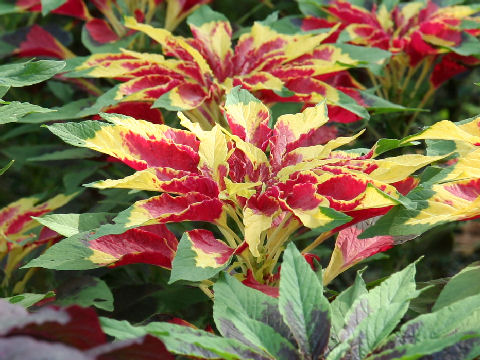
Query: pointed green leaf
[
  {"x": 184, "y": 340},
  {"x": 344, "y": 302},
  {"x": 204, "y": 14},
  {"x": 464, "y": 284},
  {"x": 69, "y": 254},
  {"x": 251, "y": 317},
  {"x": 199, "y": 256},
  {"x": 304, "y": 308},
  {"x": 71, "y": 224},
  {"x": 6, "y": 167},
  {"x": 86, "y": 291},
  {"x": 14, "y": 111},
  {"x": 29, "y": 73},
  {"x": 374, "y": 315},
  {"x": 66, "y": 154},
  {"x": 29, "y": 299}
]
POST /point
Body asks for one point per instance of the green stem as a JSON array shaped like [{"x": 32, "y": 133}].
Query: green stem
[{"x": 321, "y": 238}]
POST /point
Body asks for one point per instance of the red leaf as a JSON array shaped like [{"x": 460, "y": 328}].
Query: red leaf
[
  {"x": 154, "y": 245},
  {"x": 100, "y": 31},
  {"x": 136, "y": 109},
  {"x": 250, "y": 281}
]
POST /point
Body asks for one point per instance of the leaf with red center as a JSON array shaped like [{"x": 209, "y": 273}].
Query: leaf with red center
[
  {"x": 406, "y": 185},
  {"x": 300, "y": 197},
  {"x": 74, "y": 326},
  {"x": 259, "y": 80},
  {"x": 464, "y": 132},
  {"x": 299, "y": 130},
  {"x": 437, "y": 203},
  {"x": 264, "y": 48},
  {"x": 248, "y": 118},
  {"x": 135, "y": 142},
  {"x": 185, "y": 96},
  {"x": 16, "y": 219},
  {"x": 146, "y": 88},
  {"x": 347, "y": 192},
  {"x": 166, "y": 208},
  {"x": 213, "y": 150},
  {"x": 258, "y": 215},
  {"x": 349, "y": 249},
  {"x": 173, "y": 45},
  {"x": 200, "y": 256},
  {"x": 164, "y": 180},
  {"x": 212, "y": 38},
  {"x": 154, "y": 245},
  {"x": 114, "y": 65}
]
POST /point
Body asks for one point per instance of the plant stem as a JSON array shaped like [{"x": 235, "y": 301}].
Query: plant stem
[{"x": 321, "y": 238}]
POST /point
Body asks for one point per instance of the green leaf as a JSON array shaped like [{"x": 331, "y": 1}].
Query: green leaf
[
  {"x": 75, "y": 133},
  {"x": 445, "y": 331},
  {"x": 104, "y": 100},
  {"x": 351, "y": 104},
  {"x": 3, "y": 90},
  {"x": 204, "y": 14},
  {"x": 49, "y": 5},
  {"x": 440, "y": 147},
  {"x": 470, "y": 46},
  {"x": 69, "y": 254},
  {"x": 382, "y": 106},
  {"x": 29, "y": 73},
  {"x": 344, "y": 302},
  {"x": 240, "y": 96},
  {"x": 14, "y": 110},
  {"x": 86, "y": 291},
  {"x": 184, "y": 340},
  {"x": 464, "y": 284},
  {"x": 384, "y": 145},
  {"x": 77, "y": 175},
  {"x": 375, "y": 314},
  {"x": 29, "y": 299},
  {"x": 251, "y": 317},
  {"x": 8, "y": 8},
  {"x": 6, "y": 167},
  {"x": 312, "y": 7},
  {"x": 184, "y": 265},
  {"x": 370, "y": 57},
  {"x": 63, "y": 91},
  {"x": 456, "y": 346},
  {"x": 121, "y": 329},
  {"x": 304, "y": 308},
  {"x": 69, "y": 111},
  {"x": 72, "y": 224},
  {"x": 67, "y": 154}
]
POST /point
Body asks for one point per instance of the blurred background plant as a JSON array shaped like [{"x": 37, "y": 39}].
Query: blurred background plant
[{"x": 441, "y": 81}]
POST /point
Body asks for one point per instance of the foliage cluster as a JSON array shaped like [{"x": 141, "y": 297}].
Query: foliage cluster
[{"x": 198, "y": 178}]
